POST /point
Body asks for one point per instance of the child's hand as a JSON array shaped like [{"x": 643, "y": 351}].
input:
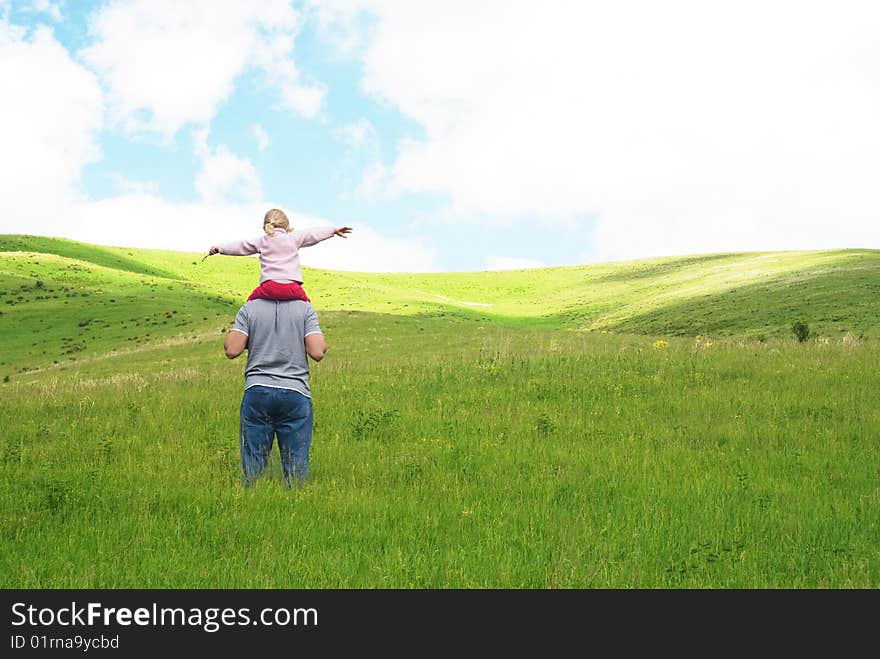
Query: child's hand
[
  {"x": 341, "y": 231},
  {"x": 213, "y": 251}
]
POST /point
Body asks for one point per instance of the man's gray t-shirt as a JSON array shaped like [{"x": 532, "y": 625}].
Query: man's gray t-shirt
[{"x": 276, "y": 332}]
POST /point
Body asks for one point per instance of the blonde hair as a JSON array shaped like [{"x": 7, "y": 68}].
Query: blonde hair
[{"x": 275, "y": 219}]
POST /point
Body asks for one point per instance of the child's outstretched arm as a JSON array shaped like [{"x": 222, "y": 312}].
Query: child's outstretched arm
[
  {"x": 237, "y": 248},
  {"x": 314, "y": 235}
]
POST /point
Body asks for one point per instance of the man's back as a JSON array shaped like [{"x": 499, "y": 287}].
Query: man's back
[{"x": 276, "y": 332}]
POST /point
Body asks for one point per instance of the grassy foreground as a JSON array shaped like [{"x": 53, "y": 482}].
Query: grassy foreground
[{"x": 454, "y": 446}]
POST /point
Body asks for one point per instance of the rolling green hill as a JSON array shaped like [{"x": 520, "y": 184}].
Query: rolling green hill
[
  {"x": 62, "y": 300},
  {"x": 651, "y": 424}
]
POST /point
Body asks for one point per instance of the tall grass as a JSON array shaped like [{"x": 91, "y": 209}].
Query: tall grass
[{"x": 456, "y": 454}]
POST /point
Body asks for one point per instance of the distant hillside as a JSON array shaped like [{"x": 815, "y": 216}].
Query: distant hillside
[
  {"x": 109, "y": 257},
  {"x": 60, "y": 298}
]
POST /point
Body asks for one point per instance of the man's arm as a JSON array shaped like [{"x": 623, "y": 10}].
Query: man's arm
[
  {"x": 235, "y": 343},
  {"x": 237, "y": 339},
  {"x": 316, "y": 346}
]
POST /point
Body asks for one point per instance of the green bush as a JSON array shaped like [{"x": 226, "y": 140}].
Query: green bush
[{"x": 801, "y": 330}]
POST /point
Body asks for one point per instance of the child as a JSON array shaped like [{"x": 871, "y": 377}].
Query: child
[{"x": 280, "y": 272}]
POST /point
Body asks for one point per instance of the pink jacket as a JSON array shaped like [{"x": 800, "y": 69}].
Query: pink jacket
[{"x": 279, "y": 254}]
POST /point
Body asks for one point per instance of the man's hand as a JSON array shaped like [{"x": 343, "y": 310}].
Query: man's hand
[
  {"x": 213, "y": 251},
  {"x": 341, "y": 231}
]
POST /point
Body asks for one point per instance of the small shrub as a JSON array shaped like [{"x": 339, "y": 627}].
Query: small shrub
[
  {"x": 58, "y": 495},
  {"x": 801, "y": 331},
  {"x": 12, "y": 452},
  {"x": 371, "y": 424},
  {"x": 544, "y": 425}
]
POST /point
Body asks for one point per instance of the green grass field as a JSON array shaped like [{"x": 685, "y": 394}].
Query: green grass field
[{"x": 642, "y": 424}]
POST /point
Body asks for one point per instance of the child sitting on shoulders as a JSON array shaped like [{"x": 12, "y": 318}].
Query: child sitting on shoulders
[{"x": 280, "y": 271}]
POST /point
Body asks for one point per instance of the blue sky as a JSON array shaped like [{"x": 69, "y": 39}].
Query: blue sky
[{"x": 520, "y": 135}]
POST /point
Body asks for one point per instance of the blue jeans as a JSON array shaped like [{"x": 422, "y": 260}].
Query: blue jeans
[{"x": 266, "y": 412}]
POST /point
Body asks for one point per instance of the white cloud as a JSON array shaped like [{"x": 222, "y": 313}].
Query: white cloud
[
  {"x": 53, "y": 9},
  {"x": 366, "y": 250},
  {"x": 151, "y": 221},
  {"x": 50, "y": 117},
  {"x": 374, "y": 182},
  {"x": 511, "y": 263},
  {"x": 358, "y": 133},
  {"x": 130, "y": 186},
  {"x": 224, "y": 176},
  {"x": 681, "y": 126},
  {"x": 166, "y": 63},
  {"x": 362, "y": 139},
  {"x": 339, "y": 23},
  {"x": 274, "y": 58},
  {"x": 262, "y": 137}
]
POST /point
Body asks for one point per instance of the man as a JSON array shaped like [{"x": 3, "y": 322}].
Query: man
[{"x": 278, "y": 336}]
